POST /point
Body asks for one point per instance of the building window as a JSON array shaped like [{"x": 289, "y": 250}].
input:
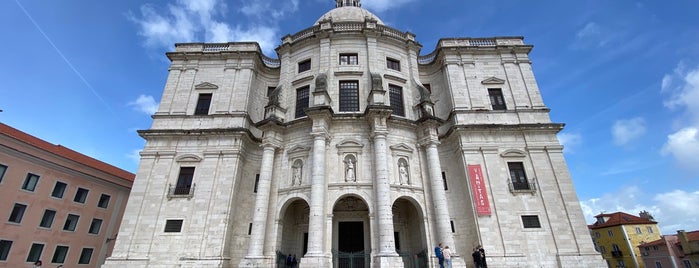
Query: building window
[
  {"x": 444, "y": 180},
  {"x": 395, "y": 95},
  {"x": 35, "y": 252},
  {"x": 104, "y": 201},
  {"x": 17, "y": 213},
  {"x": 610, "y": 233},
  {"x": 304, "y": 65},
  {"x": 270, "y": 90},
  {"x": 5, "y": 246},
  {"x": 453, "y": 230},
  {"x": 81, "y": 195},
  {"x": 30, "y": 182},
  {"x": 3, "y": 168},
  {"x": 687, "y": 263},
  {"x": 47, "y": 219},
  {"x": 616, "y": 252},
  {"x": 257, "y": 183},
  {"x": 349, "y": 96},
  {"x": 203, "y": 104},
  {"x": 95, "y": 226},
  {"x": 393, "y": 64},
  {"x": 173, "y": 226},
  {"x": 658, "y": 264},
  {"x": 59, "y": 189},
  {"x": 85, "y": 256},
  {"x": 250, "y": 229},
  {"x": 650, "y": 229},
  {"x": 518, "y": 177},
  {"x": 638, "y": 230},
  {"x": 184, "y": 181},
  {"x": 301, "y": 101},
  {"x": 531, "y": 221},
  {"x": 349, "y": 59},
  {"x": 496, "y": 99},
  {"x": 59, "y": 255},
  {"x": 71, "y": 222},
  {"x": 620, "y": 264},
  {"x": 602, "y": 250},
  {"x": 597, "y": 234}
]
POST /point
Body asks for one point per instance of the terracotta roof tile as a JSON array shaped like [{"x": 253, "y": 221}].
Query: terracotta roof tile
[
  {"x": 619, "y": 218},
  {"x": 65, "y": 152},
  {"x": 693, "y": 235}
]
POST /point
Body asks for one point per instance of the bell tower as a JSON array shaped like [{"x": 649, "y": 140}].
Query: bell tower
[{"x": 348, "y": 3}]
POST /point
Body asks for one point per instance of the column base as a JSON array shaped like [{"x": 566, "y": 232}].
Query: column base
[
  {"x": 316, "y": 261},
  {"x": 383, "y": 261},
  {"x": 256, "y": 262}
]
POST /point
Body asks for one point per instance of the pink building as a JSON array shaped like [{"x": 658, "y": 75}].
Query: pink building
[
  {"x": 56, "y": 205},
  {"x": 661, "y": 252}
]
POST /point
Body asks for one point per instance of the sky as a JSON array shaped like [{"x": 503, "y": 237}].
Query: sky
[{"x": 622, "y": 75}]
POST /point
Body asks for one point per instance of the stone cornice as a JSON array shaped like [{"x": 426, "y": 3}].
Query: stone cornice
[{"x": 240, "y": 132}]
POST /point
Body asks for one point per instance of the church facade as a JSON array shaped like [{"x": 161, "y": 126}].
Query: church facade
[{"x": 352, "y": 150}]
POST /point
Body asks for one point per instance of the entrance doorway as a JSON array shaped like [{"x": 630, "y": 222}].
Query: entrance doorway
[
  {"x": 350, "y": 236},
  {"x": 351, "y": 246}
]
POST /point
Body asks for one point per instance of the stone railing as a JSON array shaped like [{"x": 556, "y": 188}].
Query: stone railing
[
  {"x": 388, "y": 31},
  {"x": 308, "y": 32},
  {"x": 348, "y": 26},
  {"x": 470, "y": 42},
  {"x": 222, "y": 47}
]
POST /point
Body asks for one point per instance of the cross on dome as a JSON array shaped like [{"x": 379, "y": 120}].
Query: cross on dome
[{"x": 347, "y": 3}]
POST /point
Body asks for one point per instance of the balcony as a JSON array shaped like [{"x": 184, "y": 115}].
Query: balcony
[
  {"x": 616, "y": 254},
  {"x": 180, "y": 191},
  {"x": 522, "y": 187}
]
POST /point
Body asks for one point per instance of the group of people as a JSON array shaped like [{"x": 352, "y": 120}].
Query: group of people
[
  {"x": 444, "y": 255},
  {"x": 291, "y": 261}
]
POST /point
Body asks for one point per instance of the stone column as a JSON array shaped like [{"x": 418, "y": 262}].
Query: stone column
[
  {"x": 386, "y": 255},
  {"x": 255, "y": 255}
]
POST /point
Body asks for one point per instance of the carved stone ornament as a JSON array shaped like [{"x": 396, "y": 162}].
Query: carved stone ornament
[
  {"x": 274, "y": 96},
  {"x": 376, "y": 82},
  {"x": 205, "y": 86},
  {"x": 493, "y": 81},
  {"x": 321, "y": 83}
]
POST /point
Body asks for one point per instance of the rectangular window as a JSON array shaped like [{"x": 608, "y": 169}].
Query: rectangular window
[
  {"x": 301, "y": 101},
  {"x": 59, "y": 256},
  {"x": 444, "y": 180},
  {"x": 650, "y": 229},
  {"x": 349, "y": 96},
  {"x": 638, "y": 230},
  {"x": 496, "y": 99},
  {"x": 203, "y": 104},
  {"x": 95, "y": 226},
  {"x": 658, "y": 264},
  {"x": 3, "y": 168},
  {"x": 395, "y": 95},
  {"x": 304, "y": 65},
  {"x": 349, "y": 59},
  {"x": 602, "y": 250},
  {"x": 257, "y": 182},
  {"x": 35, "y": 252},
  {"x": 687, "y": 263},
  {"x": 270, "y": 90},
  {"x": 610, "y": 233},
  {"x": 531, "y": 221},
  {"x": 71, "y": 222},
  {"x": 173, "y": 226},
  {"x": 17, "y": 213},
  {"x": 30, "y": 182},
  {"x": 59, "y": 189},
  {"x": 393, "y": 64},
  {"x": 517, "y": 175},
  {"x": 47, "y": 219},
  {"x": 81, "y": 195},
  {"x": 184, "y": 181},
  {"x": 5, "y": 246},
  {"x": 104, "y": 201},
  {"x": 250, "y": 229},
  {"x": 85, "y": 256},
  {"x": 620, "y": 264},
  {"x": 453, "y": 230}
]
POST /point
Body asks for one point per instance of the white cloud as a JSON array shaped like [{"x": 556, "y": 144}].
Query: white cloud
[
  {"x": 672, "y": 210},
  {"x": 684, "y": 146},
  {"x": 570, "y": 141},
  {"x": 592, "y": 35},
  {"x": 383, "y": 5},
  {"x": 203, "y": 21},
  {"x": 591, "y": 29},
  {"x": 627, "y": 130},
  {"x": 145, "y": 104}
]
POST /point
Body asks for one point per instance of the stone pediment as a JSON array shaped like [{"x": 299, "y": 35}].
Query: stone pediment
[
  {"x": 401, "y": 147},
  {"x": 298, "y": 151},
  {"x": 349, "y": 146},
  {"x": 493, "y": 81},
  {"x": 206, "y": 85},
  {"x": 188, "y": 158},
  {"x": 513, "y": 153}
]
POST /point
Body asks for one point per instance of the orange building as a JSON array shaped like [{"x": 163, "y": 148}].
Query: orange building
[{"x": 57, "y": 205}]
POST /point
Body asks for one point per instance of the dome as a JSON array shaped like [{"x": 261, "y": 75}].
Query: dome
[{"x": 348, "y": 14}]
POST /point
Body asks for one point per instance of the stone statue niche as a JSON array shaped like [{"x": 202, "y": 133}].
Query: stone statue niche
[
  {"x": 350, "y": 168},
  {"x": 403, "y": 172},
  {"x": 297, "y": 172}
]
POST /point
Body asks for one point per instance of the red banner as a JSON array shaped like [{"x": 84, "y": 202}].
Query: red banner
[{"x": 480, "y": 195}]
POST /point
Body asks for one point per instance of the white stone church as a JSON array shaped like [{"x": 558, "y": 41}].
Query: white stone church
[{"x": 352, "y": 150}]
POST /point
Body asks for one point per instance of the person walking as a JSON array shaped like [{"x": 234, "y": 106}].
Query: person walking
[
  {"x": 446, "y": 252},
  {"x": 438, "y": 254}
]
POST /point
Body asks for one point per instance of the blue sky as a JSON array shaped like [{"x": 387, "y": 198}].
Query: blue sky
[{"x": 623, "y": 76}]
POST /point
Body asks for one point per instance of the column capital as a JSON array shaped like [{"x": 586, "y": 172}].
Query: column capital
[{"x": 428, "y": 141}]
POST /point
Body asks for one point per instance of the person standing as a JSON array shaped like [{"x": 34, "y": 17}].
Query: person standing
[
  {"x": 477, "y": 259},
  {"x": 37, "y": 264},
  {"x": 446, "y": 252},
  {"x": 438, "y": 254},
  {"x": 482, "y": 251}
]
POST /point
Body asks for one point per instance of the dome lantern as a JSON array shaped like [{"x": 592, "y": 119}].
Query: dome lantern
[{"x": 347, "y": 3}]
